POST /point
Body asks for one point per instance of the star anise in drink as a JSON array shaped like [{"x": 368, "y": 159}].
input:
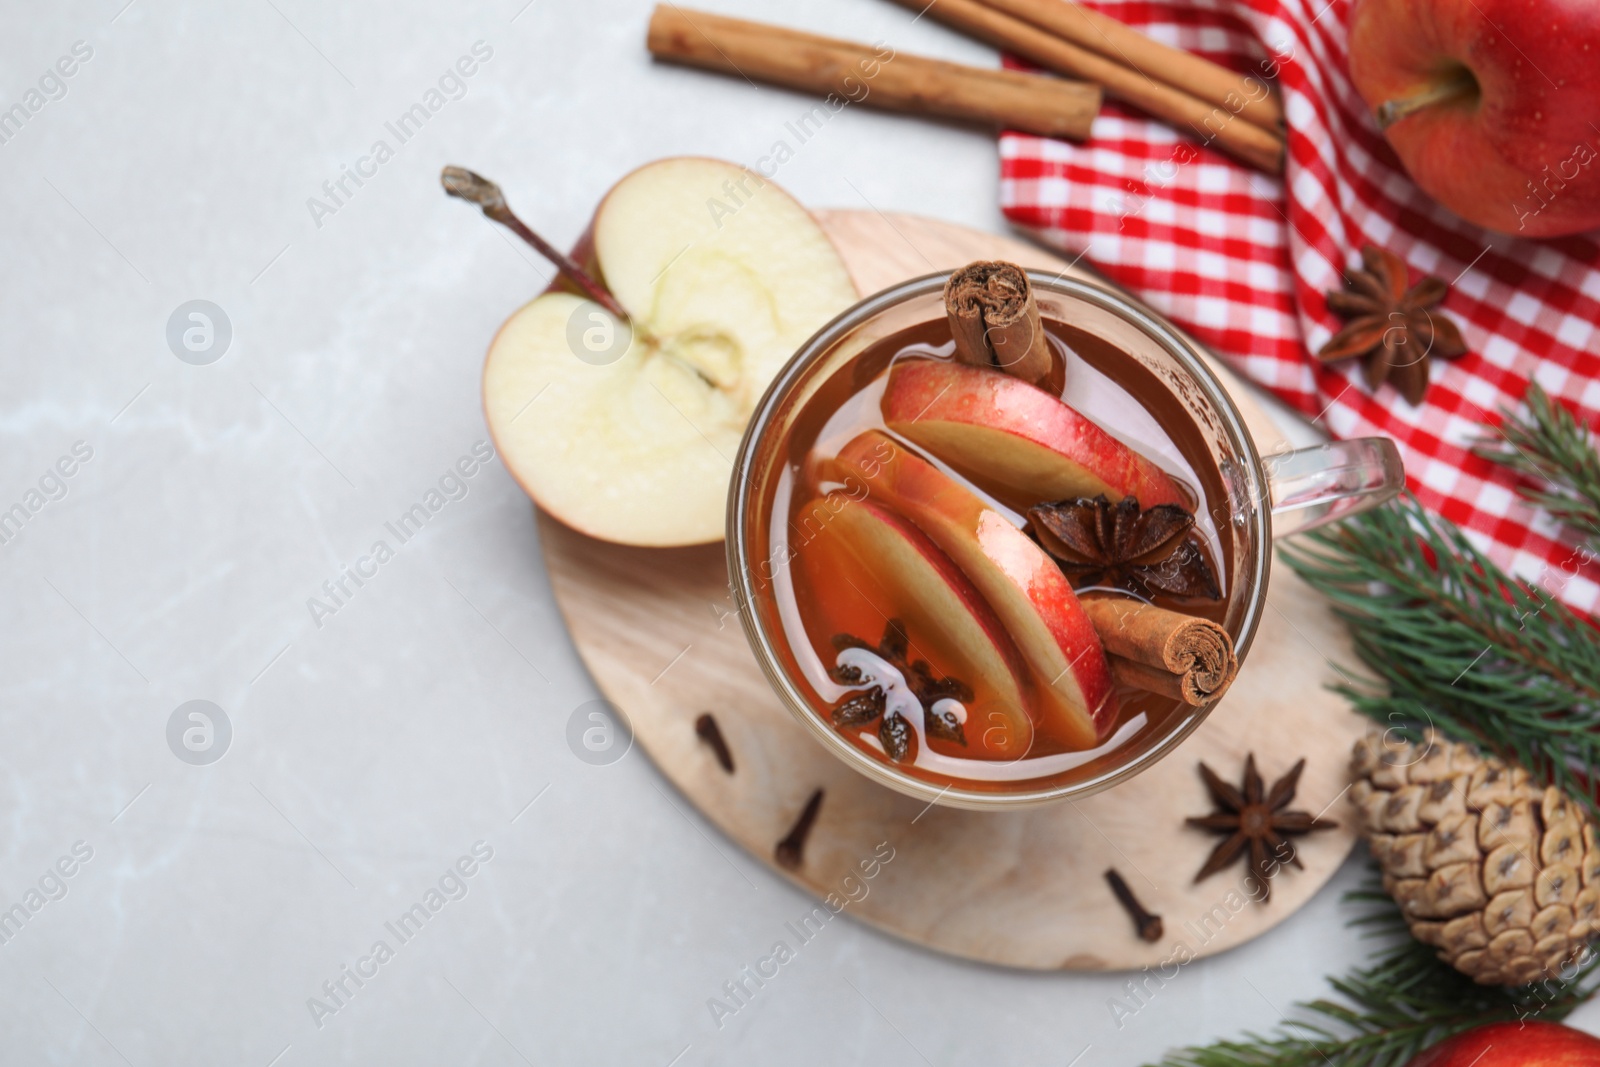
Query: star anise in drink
[
  {"x": 1096, "y": 542},
  {"x": 1256, "y": 821},
  {"x": 1391, "y": 325}
]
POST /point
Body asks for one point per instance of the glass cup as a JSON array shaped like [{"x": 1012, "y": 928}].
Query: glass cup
[{"x": 1265, "y": 498}]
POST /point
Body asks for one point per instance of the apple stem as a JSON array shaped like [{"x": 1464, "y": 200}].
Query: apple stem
[
  {"x": 476, "y": 189},
  {"x": 1459, "y": 84}
]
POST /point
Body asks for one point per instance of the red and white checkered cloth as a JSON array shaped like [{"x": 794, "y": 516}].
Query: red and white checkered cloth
[{"x": 1241, "y": 261}]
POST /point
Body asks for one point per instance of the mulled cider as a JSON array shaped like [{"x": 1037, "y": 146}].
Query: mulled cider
[{"x": 992, "y": 548}]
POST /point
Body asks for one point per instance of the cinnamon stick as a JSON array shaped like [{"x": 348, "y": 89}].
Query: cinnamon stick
[
  {"x": 1245, "y": 95},
  {"x": 1166, "y": 652},
  {"x": 995, "y": 319},
  {"x": 1211, "y": 124},
  {"x": 873, "y": 75}
]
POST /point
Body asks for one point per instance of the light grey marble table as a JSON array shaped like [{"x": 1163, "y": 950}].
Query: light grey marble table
[{"x": 412, "y": 741}]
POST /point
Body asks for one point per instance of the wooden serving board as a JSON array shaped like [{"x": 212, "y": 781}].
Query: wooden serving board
[{"x": 658, "y": 631}]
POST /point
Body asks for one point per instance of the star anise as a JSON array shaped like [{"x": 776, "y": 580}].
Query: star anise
[
  {"x": 896, "y": 734},
  {"x": 1390, "y": 325},
  {"x": 1256, "y": 819},
  {"x": 1100, "y": 543}
]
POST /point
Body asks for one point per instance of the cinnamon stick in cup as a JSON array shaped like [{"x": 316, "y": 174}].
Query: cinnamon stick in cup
[
  {"x": 995, "y": 319},
  {"x": 874, "y": 75},
  {"x": 1164, "y": 652}
]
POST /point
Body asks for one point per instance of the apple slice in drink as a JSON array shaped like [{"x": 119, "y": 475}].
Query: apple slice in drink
[
  {"x": 625, "y": 430},
  {"x": 998, "y": 428},
  {"x": 871, "y": 565},
  {"x": 1077, "y": 705}
]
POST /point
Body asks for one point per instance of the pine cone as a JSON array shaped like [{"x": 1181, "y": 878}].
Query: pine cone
[{"x": 1500, "y": 875}]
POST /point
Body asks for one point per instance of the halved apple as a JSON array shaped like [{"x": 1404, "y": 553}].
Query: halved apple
[
  {"x": 1000, "y": 428},
  {"x": 627, "y": 430},
  {"x": 947, "y": 620},
  {"x": 1033, "y": 599}
]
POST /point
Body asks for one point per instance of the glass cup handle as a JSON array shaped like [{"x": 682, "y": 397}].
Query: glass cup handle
[{"x": 1311, "y": 486}]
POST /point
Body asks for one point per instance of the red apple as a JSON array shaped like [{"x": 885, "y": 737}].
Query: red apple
[
  {"x": 1001, "y": 429},
  {"x": 1034, "y": 600},
  {"x": 623, "y": 429},
  {"x": 948, "y": 622},
  {"x": 1520, "y": 1044},
  {"x": 1492, "y": 105}
]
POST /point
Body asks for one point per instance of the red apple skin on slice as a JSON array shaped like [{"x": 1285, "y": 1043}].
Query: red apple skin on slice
[
  {"x": 1001, "y": 428},
  {"x": 1077, "y": 703},
  {"x": 947, "y": 620}
]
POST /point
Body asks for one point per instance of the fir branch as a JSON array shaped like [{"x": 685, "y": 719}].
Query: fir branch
[
  {"x": 1457, "y": 643},
  {"x": 1550, "y": 446},
  {"x": 1403, "y": 1001}
]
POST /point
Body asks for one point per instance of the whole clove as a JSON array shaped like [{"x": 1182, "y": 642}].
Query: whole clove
[
  {"x": 790, "y": 852},
  {"x": 708, "y": 731},
  {"x": 1148, "y": 926}
]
